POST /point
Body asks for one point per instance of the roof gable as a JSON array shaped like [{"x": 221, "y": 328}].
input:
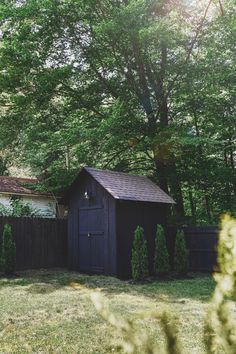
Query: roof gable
[{"x": 125, "y": 186}]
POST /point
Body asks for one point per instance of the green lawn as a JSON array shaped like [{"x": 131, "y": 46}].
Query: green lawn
[{"x": 51, "y": 312}]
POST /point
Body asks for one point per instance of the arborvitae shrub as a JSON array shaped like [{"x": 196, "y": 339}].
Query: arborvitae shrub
[
  {"x": 181, "y": 254},
  {"x": 8, "y": 251},
  {"x": 161, "y": 258},
  {"x": 139, "y": 260}
]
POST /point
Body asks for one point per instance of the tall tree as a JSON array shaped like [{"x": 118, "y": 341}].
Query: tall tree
[{"x": 106, "y": 83}]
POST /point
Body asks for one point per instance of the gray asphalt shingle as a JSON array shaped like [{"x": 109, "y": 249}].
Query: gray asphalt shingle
[{"x": 125, "y": 186}]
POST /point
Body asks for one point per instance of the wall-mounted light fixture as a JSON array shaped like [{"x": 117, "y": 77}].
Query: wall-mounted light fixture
[{"x": 86, "y": 195}]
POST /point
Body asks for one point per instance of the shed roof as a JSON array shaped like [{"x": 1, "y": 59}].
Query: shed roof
[
  {"x": 125, "y": 186},
  {"x": 16, "y": 185}
]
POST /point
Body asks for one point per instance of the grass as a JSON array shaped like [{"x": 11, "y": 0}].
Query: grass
[{"x": 51, "y": 311}]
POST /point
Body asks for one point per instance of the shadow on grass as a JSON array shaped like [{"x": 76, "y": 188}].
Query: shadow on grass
[
  {"x": 38, "y": 281},
  {"x": 200, "y": 287}
]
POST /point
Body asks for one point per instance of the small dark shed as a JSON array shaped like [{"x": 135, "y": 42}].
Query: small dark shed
[{"x": 104, "y": 208}]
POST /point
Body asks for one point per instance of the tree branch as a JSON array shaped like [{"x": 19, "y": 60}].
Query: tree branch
[
  {"x": 221, "y": 8},
  {"x": 190, "y": 49},
  {"x": 81, "y": 99}
]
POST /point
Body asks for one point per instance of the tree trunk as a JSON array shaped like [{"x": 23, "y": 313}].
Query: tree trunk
[
  {"x": 169, "y": 181},
  {"x": 232, "y": 164},
  {"x": 67, "y": 158},
  {"x": 192, "y": 204},
  {"x": 176, "y": 190},
  {"x": 161, "y": 175},
  {"x": 168, "y": 174},
  {"x": 208, "y": 208}
]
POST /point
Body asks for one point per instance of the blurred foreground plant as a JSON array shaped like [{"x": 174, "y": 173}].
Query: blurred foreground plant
[
  {"x": 220, "y": 334},
  {"x": 136, "y": 340}
]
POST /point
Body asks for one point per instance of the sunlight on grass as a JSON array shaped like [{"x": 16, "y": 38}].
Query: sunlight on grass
[{"x": 51, "y": 312}]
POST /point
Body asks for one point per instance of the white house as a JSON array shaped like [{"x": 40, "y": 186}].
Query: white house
[{"x": 13, "y": 187}]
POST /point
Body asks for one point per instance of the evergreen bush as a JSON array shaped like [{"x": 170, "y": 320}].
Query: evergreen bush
[
  {"x": 181, "y": 254},
  {"x": 161, "y": 258},
  {"x": 139, "y": 259},
  {"x": 8, "y": 251}
]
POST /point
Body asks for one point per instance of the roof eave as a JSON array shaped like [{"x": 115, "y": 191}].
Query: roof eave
[
  {"x": 143, "y": 200},
  {"x": 26, "y": 194}
]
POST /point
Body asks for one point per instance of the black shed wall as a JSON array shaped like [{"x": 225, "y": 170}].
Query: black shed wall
[
  {"x": 129, "y": 215},
  {"x": 77, "y": 202}
]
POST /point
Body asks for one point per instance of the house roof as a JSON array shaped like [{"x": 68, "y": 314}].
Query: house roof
[
  {"x": 125, "y": 186},
  {"x": 16, "y": 185}
]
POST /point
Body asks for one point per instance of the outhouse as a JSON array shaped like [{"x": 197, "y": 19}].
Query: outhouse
[{"x": 104, "y": 209}]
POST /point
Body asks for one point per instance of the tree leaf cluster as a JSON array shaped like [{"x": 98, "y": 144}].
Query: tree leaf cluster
[{"x": 140, "y": 86}]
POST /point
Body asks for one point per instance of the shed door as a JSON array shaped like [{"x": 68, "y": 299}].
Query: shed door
[{"x": 91, "y": 239}]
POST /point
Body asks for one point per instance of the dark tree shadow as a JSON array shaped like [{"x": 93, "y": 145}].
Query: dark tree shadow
[{"x": 199, "y": 287}]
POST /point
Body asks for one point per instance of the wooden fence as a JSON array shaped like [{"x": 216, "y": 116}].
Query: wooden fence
[
  {"x": 40, "y": 242},
  {"x": 202, "y": 245},
  {"x": 201, "y": 242}
]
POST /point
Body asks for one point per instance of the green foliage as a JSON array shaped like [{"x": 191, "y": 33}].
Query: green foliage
[
  {"x": 8, "y": 257},
  {"x": 139, "y": 258},
  {"x": 3, "y": 166},
  {"x": 161, "y": 264},
  {"x": 4, "y": 211},
  {"x": 118, "y": 78},
  {"x": 19, "y": 208},
  {"x": 181, "y": 261}
]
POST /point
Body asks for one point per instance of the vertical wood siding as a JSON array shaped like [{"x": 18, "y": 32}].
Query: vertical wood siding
[
  {"x": 202, "y": 244},
  {"x": 40, "y": 242},
  {"x": 129, "y": 216}
]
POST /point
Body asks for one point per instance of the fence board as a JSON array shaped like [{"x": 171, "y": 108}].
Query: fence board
[
  {"x": 201, "y": 242},
  {"x": 40, "y": 243},
  {"x": 202, "y": 245}
]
